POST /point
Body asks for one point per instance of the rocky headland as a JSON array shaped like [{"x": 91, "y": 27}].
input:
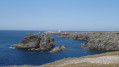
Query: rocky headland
[
  {"x": 36, "y": 42},
  {"x": 94, "y": 40}
]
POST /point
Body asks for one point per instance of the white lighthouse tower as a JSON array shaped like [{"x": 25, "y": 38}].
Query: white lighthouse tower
[{"x": 59, "y": 30}]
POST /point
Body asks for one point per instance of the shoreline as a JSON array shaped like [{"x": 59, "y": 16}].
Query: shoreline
[
  {"x": 94, "y": 40},
  {"x": 84, "y": 36}
]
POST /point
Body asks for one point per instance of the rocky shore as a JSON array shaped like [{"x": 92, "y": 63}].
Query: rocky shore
[
  {"x": 36, "y": 42},
  {"x": 94, "y": 40}
]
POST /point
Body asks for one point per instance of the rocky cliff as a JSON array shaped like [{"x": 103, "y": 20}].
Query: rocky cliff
[
  {"x": 94, "y": 40},
  {"x": 103, "y": 41},
  {"x": 36, "y": 42}
]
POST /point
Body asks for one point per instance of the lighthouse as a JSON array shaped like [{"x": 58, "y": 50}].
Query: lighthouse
[{"x": 59, "y": 30}]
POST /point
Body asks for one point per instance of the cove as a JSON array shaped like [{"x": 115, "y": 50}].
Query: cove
[{"x": 9, "y": 56}]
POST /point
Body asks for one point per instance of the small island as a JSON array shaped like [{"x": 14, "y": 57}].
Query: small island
[
  {"x": 38, "y": 42},
  {"x": 35, "y": 42}
]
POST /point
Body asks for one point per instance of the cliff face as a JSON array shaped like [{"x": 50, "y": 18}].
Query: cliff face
[
  {"x": 36, "y": 42},
  {"x": 104, "y": 41},
  {"x": 94, "y": 40}
]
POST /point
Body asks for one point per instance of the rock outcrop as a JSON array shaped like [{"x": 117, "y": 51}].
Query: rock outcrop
[
  {"x": 59, "y": 48},
  {"x": 36, "y": 42},
  {"x": 94, "y": 40},
  {"x": 107, "y": 41}
]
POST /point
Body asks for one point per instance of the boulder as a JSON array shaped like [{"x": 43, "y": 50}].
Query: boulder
[
  {"x": 36, "y": 41},
  {"x": 59, "y": 48}
]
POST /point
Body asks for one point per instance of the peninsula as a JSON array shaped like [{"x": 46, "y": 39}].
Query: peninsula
[{"x": 94, "y": 40}]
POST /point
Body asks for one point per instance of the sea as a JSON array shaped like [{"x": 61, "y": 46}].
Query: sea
[{"x": 14, "y": 56}]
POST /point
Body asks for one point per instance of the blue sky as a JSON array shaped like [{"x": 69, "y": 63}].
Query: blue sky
[{"x": 71, "y": 15}]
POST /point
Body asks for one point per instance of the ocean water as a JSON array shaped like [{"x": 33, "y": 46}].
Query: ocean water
[{"x": 10, "y": 56}]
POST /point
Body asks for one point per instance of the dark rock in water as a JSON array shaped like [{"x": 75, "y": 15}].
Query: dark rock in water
[
  {"x": 46, "y": 42},
  {"x": 59, "y": 48},
  {"x": 36, "y": 41}
]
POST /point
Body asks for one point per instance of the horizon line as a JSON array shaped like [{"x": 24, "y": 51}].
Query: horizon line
[{"x": 61, "y": 30}]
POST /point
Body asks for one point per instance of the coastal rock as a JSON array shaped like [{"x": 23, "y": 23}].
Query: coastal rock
[
  {"x": 46, "y": 42},
  {"x": 59, "y": 48},
  {"x": 107, "y": 42},
  {"x": 36, "y": 41},
  {"x": 94, "y": 40},
  {"x": 29, "y": 41}
]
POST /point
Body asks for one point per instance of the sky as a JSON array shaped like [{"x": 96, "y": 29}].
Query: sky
[{"x": 69, "y": 15}]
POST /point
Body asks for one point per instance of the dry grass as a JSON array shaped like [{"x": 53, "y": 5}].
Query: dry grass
[
  {"x": 85, "y": 64},
  {"x": 54, "y": 64}
]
